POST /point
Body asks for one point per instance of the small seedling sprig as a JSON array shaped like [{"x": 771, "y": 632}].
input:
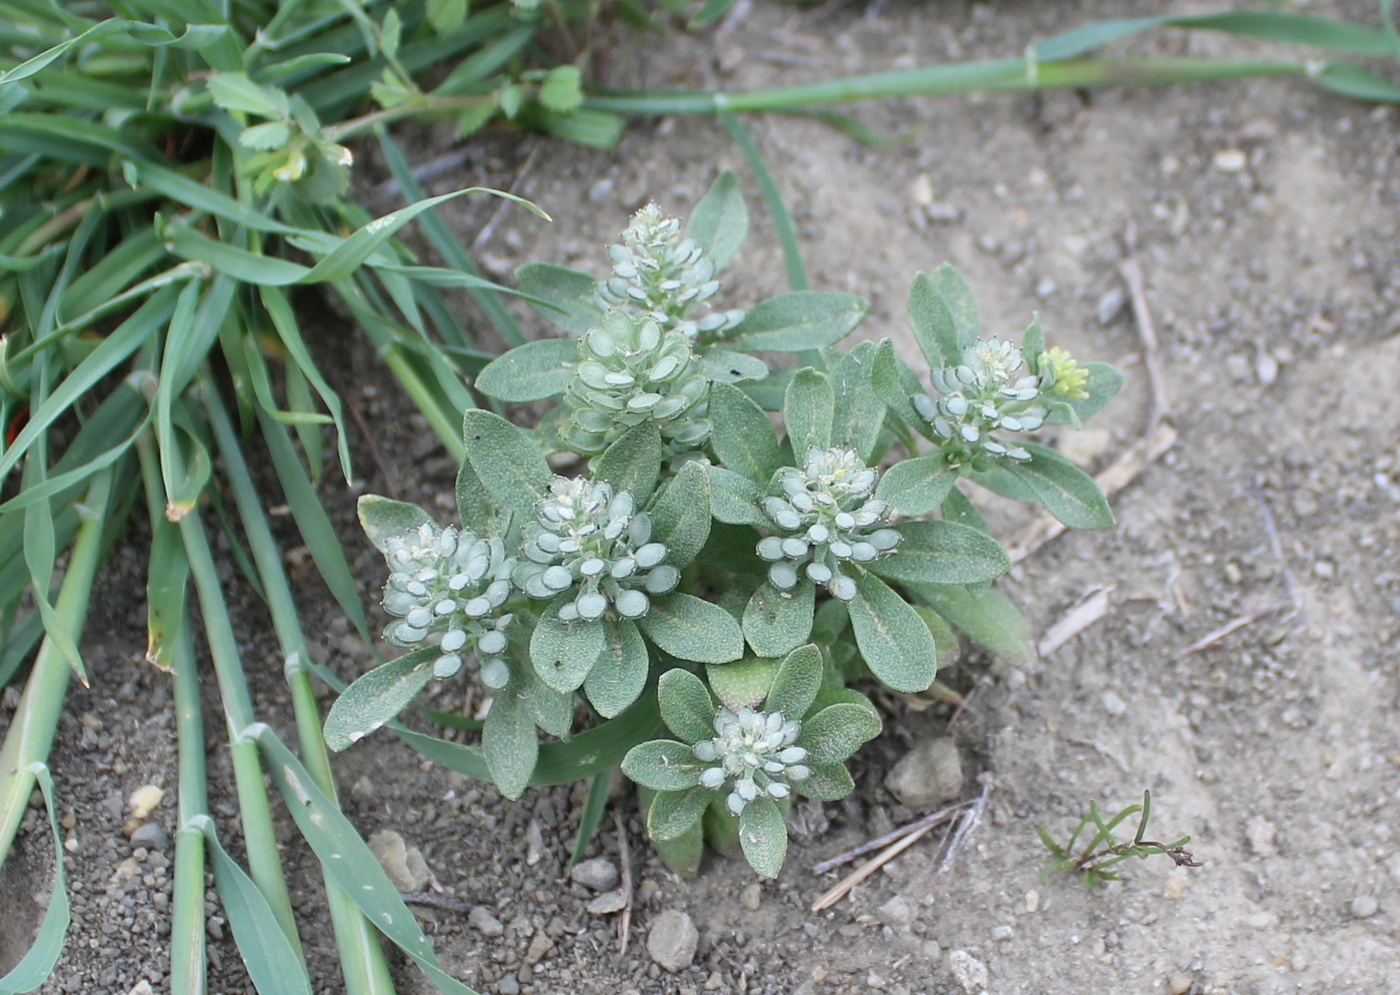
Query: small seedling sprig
[{"x": 1103, "y": 850}]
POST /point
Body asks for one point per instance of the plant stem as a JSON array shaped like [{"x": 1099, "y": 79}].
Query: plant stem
[
  {"x": 995, "y": 75},
  {"x": 361, "y": 956},
  {"x": 187, "y": 920},
  {"x": 31, "y": 733},
  {"x": 259, "y": 836}
]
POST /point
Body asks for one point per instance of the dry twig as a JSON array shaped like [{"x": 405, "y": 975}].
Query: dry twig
[
  {"x": 1090, "y": 608},
  {"x": 1234, "y": 625},
  {"x": 848, "y": 883},
  {"x": 624, "y": 854},
  {"x": 927, "y": 821},
  {"x": 970, "y": 820}
]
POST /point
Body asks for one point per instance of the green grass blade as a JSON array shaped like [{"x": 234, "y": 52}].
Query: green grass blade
[
  {"x": 38, "y": 963},
  {"x": 591, "y": 817},
  {"x": 314, "y": 524},
  {"x": 273, "y": 963},
  {"x": 348, "y": 859},
  {"x": 279, "y": 309},
  {"x": 114, "y": 349},
  {"x": 362, "y": 959},
  {"x": 442, "y": 239},
  {"x": 772, "y": 197},
  {"x": 1266, "y": 25}
]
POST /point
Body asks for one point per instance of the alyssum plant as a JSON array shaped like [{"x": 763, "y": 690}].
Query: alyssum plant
[{"x": 696, "y": 564}]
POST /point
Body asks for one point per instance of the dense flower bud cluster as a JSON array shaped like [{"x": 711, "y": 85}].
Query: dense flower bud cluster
[
  {"x": 753, "y": 753},
  {"x": 449, "y": 584},
  {"x": 595, "y": 544},
  {"x": 981, "y": 395},
  {"x": 825, "y": 517},
  {"x": 631, "y": 371},
  {"x": 658, "y": 274}
]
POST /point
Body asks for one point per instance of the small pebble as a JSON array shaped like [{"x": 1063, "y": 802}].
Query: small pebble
[
  {"x": 896, "y": 912},
  {"x": 750, "y": 896},
  {"x": 1002, "y": 932},
  {"x": 1364, "y": 906},
  {"x": 508, "y": 985},
  {"x": 1032, "y": 901},
  {"x": 929, "y": 773},
  {"x": 1260, "y": 833},
  {"x": 969, "y": 972},
  {"x": 599, "y": 874},
  {"x": 1230, "y": 160},
  {"x": 152, "y": 836},
  {"x": 540, "y": 945},
  {"x": 144, "y": 800},
  {"x": 1112, "y": 704},
  {"x": 142, "y": 987},
  {"x": 1044, "y": 287},
  {"x": 607, "y": 903},
  {"x": 481, "y": 918},
  {"x": 1110, "y": 305},
  {"x": 1179, "y": 983},
  {"x": 672, "y": 940}
]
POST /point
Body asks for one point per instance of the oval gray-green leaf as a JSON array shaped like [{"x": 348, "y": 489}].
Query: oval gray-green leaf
[
  {"x": 803, "y": 319},
  {"x": 826, "y": 783},
  {"x": 778, "y": 622},
  {"x": 837, "y": 731},
  {"x": 985, "y": 615},
  {"x": 796, "y": 683},
  {"x": 721, "y": 220},
  {"x": 506, "y": 460},
  {"x": 575, "y": 309},
  {"x": 620, "y": 672},
  {"x": 686, "y": 705},
  {"x": 1067, "y": 492},
  {"x": 942, "y": 553},
  {"x": 663, "y": 765},
  {"x": 727, "y": 366},
  {"x": 917, "y": 486},
  {"x": 680, "y": 518},
  {"x": 742, "y": 436},
  {"x": 530, "y": 372},
  {"x": 931, "y": 320},
  {"x": 734, "y": 498},
  {"x": 633, "y": 462},
  {"x": 510, "y": 744},
  {"x": 382, "y": 518},
  {"x": 376, "y": 697},
  {"x": 673, "y": 813},
  {"x": 809, "y": 406},
  {"x": 893, "y": 640},
  {"x": 563, "y": 653},
  {"x": 691, "y": 629},
  {"x": 763, "y": 835}
]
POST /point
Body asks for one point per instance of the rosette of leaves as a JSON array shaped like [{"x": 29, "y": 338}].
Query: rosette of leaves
[
  {"x": 737, "y": 761},
  {"x": 604, "y": 565},
  {"x": 824, "y": 528},
  {"x": 987, "y": 392},
  {"x": 663, "y": 270}
]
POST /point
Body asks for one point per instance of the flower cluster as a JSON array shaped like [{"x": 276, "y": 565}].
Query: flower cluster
[
  {"x": 658, "y": 274},
  {"x": 985, "y": 394},
  {"x": 452, "y": 585},
  {"x": 825, "y": 517},
  {"x": 754, "y": 752},
  {"x": 597, "y": 545},
  {"x": 631, "y": 371}
]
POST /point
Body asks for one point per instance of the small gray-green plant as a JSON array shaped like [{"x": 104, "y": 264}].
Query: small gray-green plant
[
  {"x": 1102, "y": 849},
  {"x": 688, "y": 564}
]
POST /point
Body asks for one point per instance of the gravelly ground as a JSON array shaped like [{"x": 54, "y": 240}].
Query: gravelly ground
[{"x": 1266, "y": 219}]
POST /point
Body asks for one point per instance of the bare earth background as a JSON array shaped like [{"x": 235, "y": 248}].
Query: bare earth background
[{"x": 1267, "y": 218}]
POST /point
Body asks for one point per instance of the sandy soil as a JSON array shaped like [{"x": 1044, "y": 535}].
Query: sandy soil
[{"x": 1266, "y": 217}]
